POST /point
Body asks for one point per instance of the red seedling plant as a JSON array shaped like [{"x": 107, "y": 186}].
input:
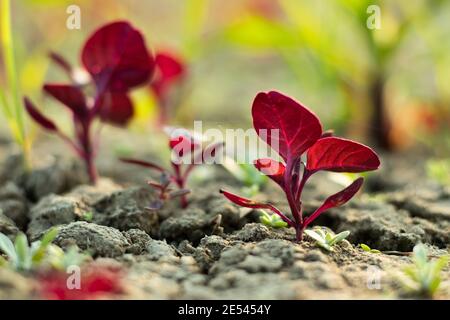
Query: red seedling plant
[
  {"x": 292, "y": 130},
  {"x": 186, "y": 153},
  {"x": 115, "y": 60}
]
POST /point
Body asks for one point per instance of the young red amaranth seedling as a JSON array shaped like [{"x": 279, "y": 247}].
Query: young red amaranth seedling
[
  {"x": 169, "y": 72},
  {"x": 292, "y": 130},
  {"x": 115, "y": 60},
  {"x": 186, "y": 153}
]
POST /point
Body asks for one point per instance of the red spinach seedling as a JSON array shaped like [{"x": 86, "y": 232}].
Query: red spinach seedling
[
  {"x": 293, "y": 130},
  {"x": 186, "y": 153},
  {"x": 115, "y": 60},
  {"x": 169, "y": 71}
]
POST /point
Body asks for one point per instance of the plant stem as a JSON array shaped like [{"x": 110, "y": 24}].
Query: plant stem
[
  {"x": 305, "y": 177},
  {"x": 181, "y": 183},
  {"x": 15, "y": 113},
  {"x": 89, "y": 153},
  {"x": 290, "y": 193},
  {"x": 299, "y": 232}
]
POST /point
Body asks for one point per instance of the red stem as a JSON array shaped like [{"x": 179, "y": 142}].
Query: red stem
[
  {"x": 89, "y": 152},
  {"x": 181, "y": 182},
  {"x": 295, "y": 208},
  {"x": 306, "y": 175}
]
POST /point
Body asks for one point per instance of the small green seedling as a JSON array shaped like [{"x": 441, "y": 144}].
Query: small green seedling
[
  {"x": 272, "y": 220},
  {"x": 326, "y": 239},
  {"x": 88, "y": 216},
  {"x": 366, "y": 248},
  {"x": 423, "y": 277},
  {"x": 25, "y": 257},
  {"x": 251, "y": 178}
]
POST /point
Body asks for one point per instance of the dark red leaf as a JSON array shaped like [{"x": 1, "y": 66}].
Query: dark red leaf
[
  {"x": 61, "y": 62},
  {"x": 70, "y": 96},
  {"x": 337, "y": 200},
  {"x": 116, "y": 108},
  {"x": 38, "y": 117},
  {"x": 168, "y": 70},
  {"x": 142, "y": 163},
  {"x": 247, "y": 203},
  {"x": 298, "y": 127},
  {"x": 341, "y": 155},
  {"x": 271, "y": 168},
  {"x": 117, "y": 58},
  {"x": 183, "y": 145},
  {"x": 243, "y": 202}
]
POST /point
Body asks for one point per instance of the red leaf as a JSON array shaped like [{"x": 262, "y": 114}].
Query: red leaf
[
  {"x": 117, "y": 58},
  {"x": 168, "y": 70},
  {"x": 116, "y": 108},
  {"x": 299, "y": 128},
  {"x": 341, "y": 155},
  {"x": 337, "y": 200},
  {"x": 70, "y": 96},
  {"x": 247, "y": 203},
  {"x": 271, "y": 168},
  {"x": 61, "y": 62},
  {"x": 243, "y": 202},
  {"x": 183, "y": 145},
  {"x": 38, "y": 117},
  {"x": 95, "y": 283}
]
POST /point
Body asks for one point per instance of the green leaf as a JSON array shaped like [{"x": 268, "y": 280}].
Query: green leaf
[
  {"x": 272, "y": 220},
  {"x": 7, "y": 247},
  {"x": 420, "y": 254},
  {"x": 265, "y": 221},
  {"x": 49, "y": 236},
  {"x": 321, "y": 233},
  {"x": 280, "y": 224},
  {"x": 411, "y": 272},
  {"x": 314, "y": 235},
  {"x": 440, "y": 264},
  {"x": 23, "y": 252},
  {"x": 40, "y": 248},
  {"x": 375, "y": 251},
  {"x": 365, "y": 247},
  {"x": 339, "y": 237},
  {"x": 434, "y": 286}
]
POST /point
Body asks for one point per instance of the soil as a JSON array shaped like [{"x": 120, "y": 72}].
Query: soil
[{"x": 215, "y": 250}]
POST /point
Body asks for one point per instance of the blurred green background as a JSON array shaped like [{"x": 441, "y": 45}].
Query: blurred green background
[{"x": 386, "y": 86}]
